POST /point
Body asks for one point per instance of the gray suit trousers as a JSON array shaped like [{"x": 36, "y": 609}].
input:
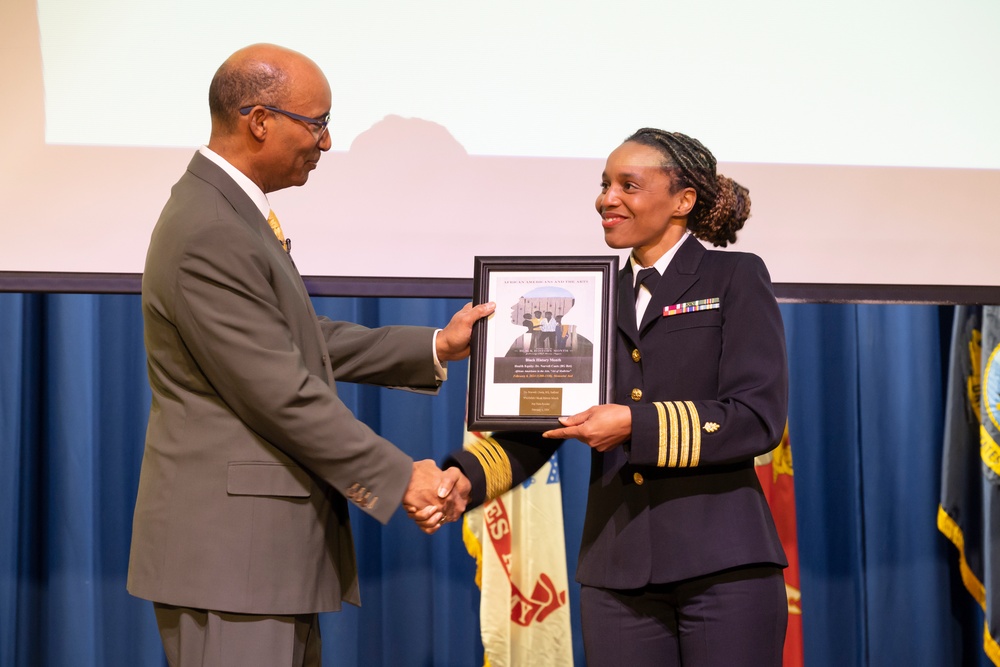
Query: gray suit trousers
[{"x": 200, "y": 638}]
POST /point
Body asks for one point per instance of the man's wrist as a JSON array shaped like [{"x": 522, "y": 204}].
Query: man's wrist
[{"x": 440, "y": 368}]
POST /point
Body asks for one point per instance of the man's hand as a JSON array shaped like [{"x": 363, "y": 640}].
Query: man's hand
[
  {"x": 455, "y": 489},
  {"x": 453, "y": 341},
  {"x": 603, "y": 427},
  {"x": 435, "y": 497}
]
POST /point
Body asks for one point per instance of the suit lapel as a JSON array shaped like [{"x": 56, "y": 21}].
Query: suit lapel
[
  {"x": 212, "y": 173},
  {"x": 246, "y": 209},
  {"x": 680, "y": 276}
]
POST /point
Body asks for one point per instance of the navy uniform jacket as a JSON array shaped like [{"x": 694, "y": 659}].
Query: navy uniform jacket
[{"x": 708, "y": 389}]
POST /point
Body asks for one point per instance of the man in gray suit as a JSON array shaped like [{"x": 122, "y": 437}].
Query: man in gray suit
[{"x": 241, "y": 532}]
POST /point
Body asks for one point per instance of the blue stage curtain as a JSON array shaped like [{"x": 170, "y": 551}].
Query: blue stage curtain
[
  {"x": 74, "y": 412},
  {"x": 420, "y": 604},
  {"x": 74, "y": 400},
  {"x": 865, "y": 422}
]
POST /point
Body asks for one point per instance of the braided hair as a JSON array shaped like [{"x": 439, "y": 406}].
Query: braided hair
[{"x": 722, "y": 205}]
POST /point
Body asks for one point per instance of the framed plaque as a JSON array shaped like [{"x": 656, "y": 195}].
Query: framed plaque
[{"x": 548, "y": 349}]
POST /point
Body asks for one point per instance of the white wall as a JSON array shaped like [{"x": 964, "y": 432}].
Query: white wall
[{"x": 864, "y": 129}]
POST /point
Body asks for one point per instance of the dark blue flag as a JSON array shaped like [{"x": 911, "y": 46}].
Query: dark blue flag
[{"x": 969, "y": 514}]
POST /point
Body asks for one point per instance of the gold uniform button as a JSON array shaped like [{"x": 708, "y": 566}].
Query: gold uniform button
[
  {"x": 638, "y": 478},
  {"x": 636, "y": 356},
  {"x": 636, "y": 394}
]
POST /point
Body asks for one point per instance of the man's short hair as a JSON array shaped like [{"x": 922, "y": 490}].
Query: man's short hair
[{"x": 238, "y": 85}]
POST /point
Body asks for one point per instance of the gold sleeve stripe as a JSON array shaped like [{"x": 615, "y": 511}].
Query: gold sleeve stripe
[
  {"x": 661, "y": 457},
  {"x": 680, "y": 446},
  {"x": 485, "y": 454},
  {"x": 695, "y": 434},
  {"x": 503, "y": 480},
  {"x": 496, "y": 466},
  {"x": 672, "y": 442},
  {"x": 685, "y": 435}
]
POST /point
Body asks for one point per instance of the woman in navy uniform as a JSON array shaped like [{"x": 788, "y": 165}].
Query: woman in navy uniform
[{"x": 680, "y": 563}]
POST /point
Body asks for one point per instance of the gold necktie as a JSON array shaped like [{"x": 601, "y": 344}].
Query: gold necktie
[{"x": 272, "y": 220}]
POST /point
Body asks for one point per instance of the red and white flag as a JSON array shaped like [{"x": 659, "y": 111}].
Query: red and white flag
[{"x": 520, "y": 551}]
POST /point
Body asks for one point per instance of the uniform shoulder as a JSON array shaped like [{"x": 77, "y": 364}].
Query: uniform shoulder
[{"x": 733, "y": 257}]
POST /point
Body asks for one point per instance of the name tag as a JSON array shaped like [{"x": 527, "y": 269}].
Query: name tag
[{"x": 691, "y": 307}]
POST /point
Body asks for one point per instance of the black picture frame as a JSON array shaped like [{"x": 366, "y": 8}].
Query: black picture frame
[{"x": 550, "y": 368}]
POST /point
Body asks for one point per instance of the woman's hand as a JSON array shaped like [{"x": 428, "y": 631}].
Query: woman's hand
[{"x": 603, "y": 427}]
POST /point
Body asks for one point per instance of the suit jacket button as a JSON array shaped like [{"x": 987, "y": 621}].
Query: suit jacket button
[
  {"x": 636, "y": 356},
  {"x": 636, "y": 394},
  {"x": 638, "y": 478}
]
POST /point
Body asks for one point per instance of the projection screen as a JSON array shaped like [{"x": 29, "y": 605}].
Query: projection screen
[{"x": 865, "y": 130}]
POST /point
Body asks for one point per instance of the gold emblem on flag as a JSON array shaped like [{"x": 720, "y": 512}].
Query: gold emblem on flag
[
  {"x": 989, "y": 422},
  {"x": 973, "y": 387},
  {"x": 782, "y": 462}
]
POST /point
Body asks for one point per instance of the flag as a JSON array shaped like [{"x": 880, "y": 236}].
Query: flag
[
  {"x": 777, "y": 479},
  {"x": 969, "y": 513},
  {"x": 520, "y": 551}
]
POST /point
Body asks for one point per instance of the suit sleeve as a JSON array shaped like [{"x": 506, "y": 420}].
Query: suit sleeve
[
  {"x": 747, "y": 417},
  {"x": 497, "y": 462},
  {"x": 375, "y": 356},
  {"x": 232, "y": 323}
]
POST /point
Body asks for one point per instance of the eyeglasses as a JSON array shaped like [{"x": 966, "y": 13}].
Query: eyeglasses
[{"x": 316, "y": 125}]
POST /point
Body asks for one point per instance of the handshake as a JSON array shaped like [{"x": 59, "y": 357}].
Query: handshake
[{"x": 435, "y": 497}]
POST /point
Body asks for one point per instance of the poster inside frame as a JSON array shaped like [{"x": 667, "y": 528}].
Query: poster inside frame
[{"x": 548, "y": 349}]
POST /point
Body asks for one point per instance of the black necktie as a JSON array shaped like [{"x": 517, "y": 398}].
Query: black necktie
[{"x": 649, "y": 278}]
